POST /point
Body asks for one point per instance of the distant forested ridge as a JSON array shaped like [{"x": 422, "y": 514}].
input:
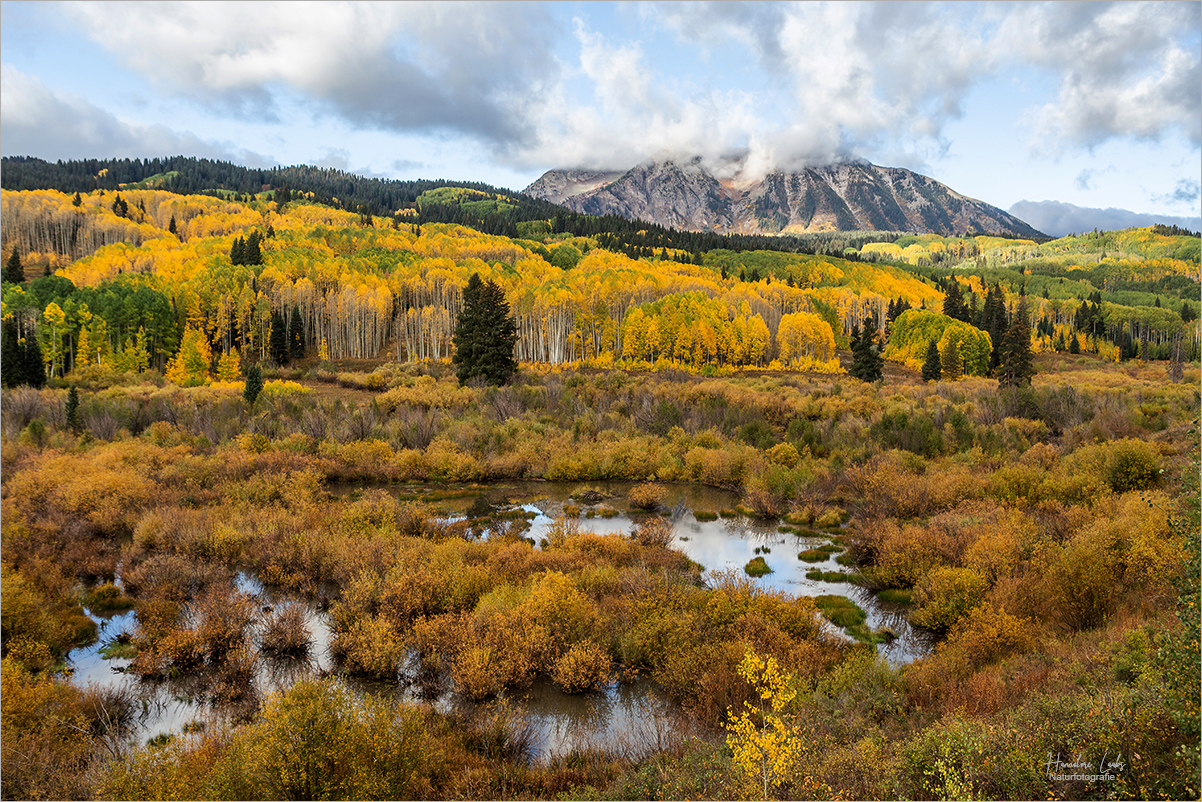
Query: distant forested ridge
[{"x": 495, "y": 211}]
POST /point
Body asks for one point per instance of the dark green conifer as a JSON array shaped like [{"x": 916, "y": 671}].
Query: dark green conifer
[
  {"x": 867, "y": 364},
  {"x": 13, "y": 271},
  {"x": 12, "y": 355},
  {"x": 932, "y": 369},
  {"x": 251, "y": 255},
  {"x": 72, "y": 409},
  {"x": 278, "y": 345},
  {"x": 35, "y": 370},
  {"x": 485, "y": 335},
  {"x": 953, "y": 302},
  {"x": 254, "y": 385},
  {"x": 1017, "y": 363}
]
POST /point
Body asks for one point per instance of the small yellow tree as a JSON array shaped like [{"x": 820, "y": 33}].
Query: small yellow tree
[
  {"x": 190, "y": 367},
  {"x": 229, "y": 367},
  {"x": 763, "y": 744}
]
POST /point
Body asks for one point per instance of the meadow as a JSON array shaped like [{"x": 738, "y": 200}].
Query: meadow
[
  {"x": 1048, "y": 535},
  {"x": 1042, "y": 534}
]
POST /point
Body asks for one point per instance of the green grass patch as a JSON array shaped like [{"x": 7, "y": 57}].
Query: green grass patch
[
  {"x": 757, "y": 567},
  {"x": 895, "y": 595},
  {"x": 727, "y": 514},
  {"x": 817, "y": 575},
  {"x": 845, "y": 559},
  {"x": 106, "y": 598},
  {"x": 813, "y": 555},
  {"x": 848, "y": 616},
  {"x": 118, "y": 651},
  {"x": 705, "y": 515}
]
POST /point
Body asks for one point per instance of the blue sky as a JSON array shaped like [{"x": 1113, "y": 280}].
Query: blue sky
[{"x": 1074, "y": 112}]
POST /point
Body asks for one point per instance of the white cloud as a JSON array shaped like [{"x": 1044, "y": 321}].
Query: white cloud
[
  {"x": 1125, "y": 69},
  {"x": 890, "y": 76},
  {"x": 465, "y": 67},
  {"x": 38, "y": 122},
  {"x": 633, "y": 113}
]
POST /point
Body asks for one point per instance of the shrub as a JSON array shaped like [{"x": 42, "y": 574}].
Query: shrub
[
  {"x": 584, "y": 666},
  {"x": 646, "y": 496},
  {"x": 946, "y": 595},
  {"x": 285, "y": 632},
  {"x": 783, "y": 454},
  {"x": 1132, "y": 465},
  {"x": 654, "y": 532}
]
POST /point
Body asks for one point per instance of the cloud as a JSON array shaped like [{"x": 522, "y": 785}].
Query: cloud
[
  {"x": 461, "y": 67},
  {"x": 824, "y": 81},
  {"x": 632, "y": 113},
  {"x": 889, "y": 77},
  {"x": 1186, "y": 193},
  {"x": 45, "y": 124},
  {"x": 1125, "y": 69},
  {"x": 1059, "y": 219}
]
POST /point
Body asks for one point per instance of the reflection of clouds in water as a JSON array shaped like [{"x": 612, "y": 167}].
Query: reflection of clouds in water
[{"x": 631, "y": 719}]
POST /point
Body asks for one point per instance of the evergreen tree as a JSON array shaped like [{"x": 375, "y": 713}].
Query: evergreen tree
[
  {"x": 1074, "y": 346},
  {"x": 35, "y": 369},
  {"x": 72, "y": 409},
  {"x": 932, "y": 369},
  {"x": 993, "y": 321},
  {"x": 238, "y": 252},
  {"x": 251, "y": 255},
  {"x": 12, "y": 356},
  {"x": 296, "y": 336},
  {"x": 1017, "y": 362},
  {"x": 951, "y": 363},
  {"x": 77, "y": 201},
  {"x": 120, "y": 207},
  {"x": 172, "y": 227},
  {"x": 485, "y": 335},
  {"x": 12, "y": 269},
  {"x": 254, "y": 385},
  {"x": 1187, "y": 312},
  {"x": 867, "y": 364},
  {"x": 953, "y": 302},
  {"x": 279, "y": 339}
]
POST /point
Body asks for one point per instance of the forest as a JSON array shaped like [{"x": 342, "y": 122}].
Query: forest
[{"x": 231, "y": 422}]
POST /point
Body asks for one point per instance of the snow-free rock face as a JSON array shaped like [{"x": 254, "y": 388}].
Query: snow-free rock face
[{"x": 844, "y": 197}]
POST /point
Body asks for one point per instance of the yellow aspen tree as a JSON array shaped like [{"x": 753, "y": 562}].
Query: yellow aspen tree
[
  {"x": 763, "y": 744},
  {"x": 190, "y": 367},
  {"x": 229, "y": 367}
]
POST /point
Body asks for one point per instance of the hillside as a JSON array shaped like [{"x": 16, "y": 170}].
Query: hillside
[
  {"x": 164, "y": 266},
  {"x": 849, "y": 196}
]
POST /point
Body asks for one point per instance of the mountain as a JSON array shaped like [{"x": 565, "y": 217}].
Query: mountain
[{"x": 849, "y": 196}]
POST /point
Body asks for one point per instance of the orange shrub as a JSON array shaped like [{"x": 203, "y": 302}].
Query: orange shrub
[{"x": 584, "y": 666}]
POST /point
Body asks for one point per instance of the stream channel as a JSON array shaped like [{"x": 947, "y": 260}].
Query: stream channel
[{"x": 635, "y": 716}]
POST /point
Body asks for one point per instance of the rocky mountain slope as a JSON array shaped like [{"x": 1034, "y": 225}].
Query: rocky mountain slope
[{"x": 684, "y": 194}]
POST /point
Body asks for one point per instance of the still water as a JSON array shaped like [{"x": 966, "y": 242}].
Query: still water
[{"x": 633, "y": 717}]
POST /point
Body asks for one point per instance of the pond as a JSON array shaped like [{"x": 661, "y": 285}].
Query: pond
[{"x": 632, "y": 718}]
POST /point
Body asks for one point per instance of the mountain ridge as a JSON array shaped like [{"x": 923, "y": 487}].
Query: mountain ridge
[{"x": 846, "y": 196}]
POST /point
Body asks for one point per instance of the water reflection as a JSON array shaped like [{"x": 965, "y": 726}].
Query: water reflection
[{"x": 633, "y": 718}]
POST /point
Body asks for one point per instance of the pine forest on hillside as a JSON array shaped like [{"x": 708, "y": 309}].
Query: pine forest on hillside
[{"x": 224, "y": 387}]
